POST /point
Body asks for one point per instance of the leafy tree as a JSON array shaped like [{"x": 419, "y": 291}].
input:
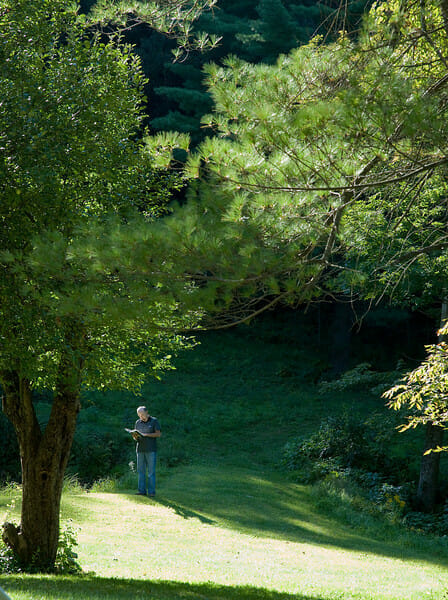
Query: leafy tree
[
  {"x": 424, "y": 392},
  {"x": 160, "y": 35},
  {"x": 82, "y": 303}
]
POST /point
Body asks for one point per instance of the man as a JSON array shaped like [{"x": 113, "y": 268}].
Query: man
[{"x": 148, "y": 431}]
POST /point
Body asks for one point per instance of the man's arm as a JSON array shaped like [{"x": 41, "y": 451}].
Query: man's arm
[{"x": 156, "y": 434}]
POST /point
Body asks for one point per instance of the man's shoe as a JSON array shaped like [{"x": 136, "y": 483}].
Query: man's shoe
[
  {"x": 151, "y": 495},
  {"x": 140, "y": 494}
]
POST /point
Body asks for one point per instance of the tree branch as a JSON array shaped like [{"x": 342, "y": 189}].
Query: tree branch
[
  {"x": 349, "y": 186},
  {"x": 241, "y": 320},
  {"x": 440, "y": 245}
]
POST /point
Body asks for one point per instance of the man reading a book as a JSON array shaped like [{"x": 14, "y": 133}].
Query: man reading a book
[{"x": 147, "y": 430}]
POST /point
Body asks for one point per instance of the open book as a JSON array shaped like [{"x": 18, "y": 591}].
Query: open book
[{"x": 135, "y": 434}]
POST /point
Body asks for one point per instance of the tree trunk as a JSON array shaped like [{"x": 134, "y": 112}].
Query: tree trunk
[
  {"x": 341, "y": 336},
  {"x": 429, "y": 469},
  {"x": 44, "y": 456},
  {"x": 428, "y": 484}
]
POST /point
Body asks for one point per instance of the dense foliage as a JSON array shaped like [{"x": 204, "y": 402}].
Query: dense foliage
[
  {"x": 346, "y": 441},
  {"x": 424, "y": 391},
  {"x": 325, "y": 176},
  {"x": 256, "y": 31},
  {"x": 335, "y": 157},
  {"x": 73, "y": 179}
]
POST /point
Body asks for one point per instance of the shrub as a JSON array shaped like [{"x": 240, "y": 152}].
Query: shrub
[
  {"x": 348, "y": 461},
  {"x": 362, "y": 376},
  {"x": 107, "y": 484},
  {"x": 8, "y": 562},
  {"x": 341, "y": 496},
  {"x": 66, "y": 558},
  {"x": 345, "y": 441},
  {"x": 72, "y": 485},
  {"x": 428, "y": 523}
]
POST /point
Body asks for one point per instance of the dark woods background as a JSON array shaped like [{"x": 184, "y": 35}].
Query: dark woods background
[
  {"x": 304, "y": 347},
  {"x": 255, "y": 31}
]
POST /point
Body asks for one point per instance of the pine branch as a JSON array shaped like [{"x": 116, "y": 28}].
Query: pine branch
[{"x": 350, "y": 185}]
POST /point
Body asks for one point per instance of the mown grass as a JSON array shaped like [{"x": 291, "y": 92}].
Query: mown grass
[
  {"x": 227, "y": 521},
  {"x": 217, "y": 532}
]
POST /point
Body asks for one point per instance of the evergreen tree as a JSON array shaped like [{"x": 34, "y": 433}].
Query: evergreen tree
[
  {"x": 252, "y": 30},
  {"x": 190, "y": 99},
  {"x": 277, "y": 29},
  {"x": 335, "y": 160}
]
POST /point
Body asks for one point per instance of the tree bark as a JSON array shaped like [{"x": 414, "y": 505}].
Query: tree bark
[
  {"x": 428, "y": 484},
  {"x": 341, "y": 336},
  {"x": 44, "y": 456}
]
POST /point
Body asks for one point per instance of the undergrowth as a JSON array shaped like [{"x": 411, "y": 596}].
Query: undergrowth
[
  {"x": 66, "y": 558},
  {"x": 353, "y": 457}
]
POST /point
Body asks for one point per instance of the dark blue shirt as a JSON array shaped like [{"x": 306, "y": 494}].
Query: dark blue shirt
[{"x": 146, "y": 444}]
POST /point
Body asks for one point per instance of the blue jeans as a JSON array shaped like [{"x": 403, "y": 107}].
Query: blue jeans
[{"x": 146, "y": 462}]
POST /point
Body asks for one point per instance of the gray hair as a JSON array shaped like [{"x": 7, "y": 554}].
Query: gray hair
[{"x": 141, "y": 409}]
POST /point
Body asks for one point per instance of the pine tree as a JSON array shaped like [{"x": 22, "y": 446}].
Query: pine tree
[
  {"x": 252, "y": 30},
  {"x": 277, "y": 29},
  {"x": 334, "y": 159},
  {"x": 190, "y": 99}
]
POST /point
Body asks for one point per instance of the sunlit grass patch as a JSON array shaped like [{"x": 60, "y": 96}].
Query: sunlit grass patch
[{"x": 221, "y": 532}]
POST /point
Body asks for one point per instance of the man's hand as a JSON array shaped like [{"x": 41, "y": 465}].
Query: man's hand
[{"x": 135, "y": 435}]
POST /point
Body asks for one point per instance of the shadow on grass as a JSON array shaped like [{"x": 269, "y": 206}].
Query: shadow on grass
[
  {"x": 267, "y": 505},
  {"x": 184, "y": 512},
  {"x": 90, "y": 587}
]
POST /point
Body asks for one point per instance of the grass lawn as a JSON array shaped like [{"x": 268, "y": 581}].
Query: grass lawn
[
  {"x": 227, "y": 522},
  {"x": 222, "y": 532}
]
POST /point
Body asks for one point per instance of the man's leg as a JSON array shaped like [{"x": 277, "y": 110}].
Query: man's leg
[
  {"x": 141, "y": 472},
  {"x": 152, "y": 473}
]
